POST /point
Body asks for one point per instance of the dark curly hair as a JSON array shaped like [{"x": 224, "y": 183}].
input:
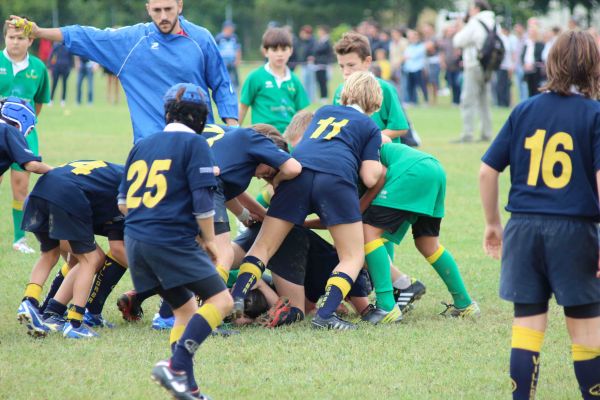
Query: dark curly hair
[{"x": 191, "y": 114}]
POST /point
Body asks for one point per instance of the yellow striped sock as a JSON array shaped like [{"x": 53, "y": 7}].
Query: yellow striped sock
[
  {"x": 74, "y": 315},
  {"x": 210, "y": 313},
  {"x": 527, "y": 339},
  {"x": 223, "y": 273},
  {"x": 33, "y": 290},
  {"x": 373, "y": 245},
  {"x": 436, "y": 256},
  {"x": 250, "y": 269},
  {"x": 64, "y": 270},
  {"x": 341, "y": 283},
  {"x": 17, "y": 205},
  {"x": 584, "y": 353}
]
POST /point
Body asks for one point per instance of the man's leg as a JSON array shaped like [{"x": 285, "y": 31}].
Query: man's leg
[{"x": 469, "y": 102}]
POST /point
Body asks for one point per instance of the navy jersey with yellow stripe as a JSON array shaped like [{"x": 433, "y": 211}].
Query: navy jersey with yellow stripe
[
  {"x": 85, "y": 188},
  {"x": 13, "y": 148},
  {"x": 238, "y": 152},
  {"x": 337, "y": 140},
  {"x": 552, "y": 144},
  {"x": 161, "y": 173}
]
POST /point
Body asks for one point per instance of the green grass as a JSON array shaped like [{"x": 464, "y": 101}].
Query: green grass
[{"x": 426, "y": 357}]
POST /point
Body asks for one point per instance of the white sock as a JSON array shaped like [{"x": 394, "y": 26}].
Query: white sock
[{"x": 403, "y": 282}]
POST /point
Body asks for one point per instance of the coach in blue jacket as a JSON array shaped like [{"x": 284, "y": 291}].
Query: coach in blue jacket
[{"x": 148, "y": 58}]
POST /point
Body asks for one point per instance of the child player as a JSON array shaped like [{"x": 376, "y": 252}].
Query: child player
[
  {"x": 26, "y": 77},
  {"x": 167, "y": 194},
  {"x": 273, "y": 91},
  {"x": 340, "y": 144},
  {"x": 17, "y": 119},
  {"x": 412, "y": 192},
  {"x": 550, "y": 246}
]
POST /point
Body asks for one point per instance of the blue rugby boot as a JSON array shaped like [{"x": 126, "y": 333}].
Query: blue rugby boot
[
  {"x": 96, "y": 321},
  {"x": 83, "y": 332},
  {"x": 28, "y": 315},
  {"x": 159, "y": 323},
  {"x": 55, "y": 323}
]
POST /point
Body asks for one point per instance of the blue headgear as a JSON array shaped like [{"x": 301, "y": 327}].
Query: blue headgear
[
  {"x": 192, "y": 93},
  {"x": 18, "y": 112}
]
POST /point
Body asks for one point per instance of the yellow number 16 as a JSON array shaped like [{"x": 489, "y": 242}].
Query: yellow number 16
[
  {"x": 546, "y": 157},
  {"x": 138, "y": 172}
]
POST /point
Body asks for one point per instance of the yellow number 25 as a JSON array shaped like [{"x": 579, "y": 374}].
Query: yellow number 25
[{"x": 138, "y": 172}]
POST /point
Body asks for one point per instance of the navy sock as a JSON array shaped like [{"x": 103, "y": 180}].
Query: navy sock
[
  {"x": 54, "y": 308},
  {"x": 295, "y": 315},
  {"x": 586, "y": 361},
  {"x": 337, "y": 288},
  {"x": 525, "y": 361},
  {"x": 165, "y": 310},
  {"x": 251, "y": 270},
  {"x": 75, "y": 315},
  {"x": 58, "y": 280},
  {"x": 104, "y": 283}
]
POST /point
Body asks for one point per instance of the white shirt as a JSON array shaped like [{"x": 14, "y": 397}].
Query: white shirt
[
  {"x": 17, "y": 66},
  {"x": 278, "y": 80},
  {"x": 178, "y": 127}
]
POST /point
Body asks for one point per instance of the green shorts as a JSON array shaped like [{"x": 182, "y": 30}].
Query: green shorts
[
  {"x": 32, "y": 142},
  {"x": 420, "y": 189}
]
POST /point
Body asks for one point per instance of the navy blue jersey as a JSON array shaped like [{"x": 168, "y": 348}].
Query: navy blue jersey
[
  {"x": 238, "y": 152},
  {"x": 337, "y": 140},
  {"x": 161, "y": 173},
  {"x": 552, "y": 144},
  {"x": 13, "y": 148},
  {"x": 85, "y": 188}
]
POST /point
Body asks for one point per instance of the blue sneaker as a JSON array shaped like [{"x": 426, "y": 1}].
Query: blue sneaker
[
  {"x": 96, "y": 321},
  {"x": 55, "y": 323},
  {"x": 159, "y": 323},
  {"x": 28, "y": 315},
  {"x": 83, "y": 332}
]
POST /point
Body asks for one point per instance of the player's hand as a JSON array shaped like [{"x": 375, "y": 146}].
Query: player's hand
[
  {"x": 29, "y": 28},
  {"x": 492, "y": 241},
  {"x": 212, "y": 250}
]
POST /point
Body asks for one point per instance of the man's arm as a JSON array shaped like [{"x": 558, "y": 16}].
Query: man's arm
[
  {"x": 368, "y": 197},
  {"x": 488, "y": 188},
  {"x": 52, "y": 34},
  {"x": 464, "y": 37}
]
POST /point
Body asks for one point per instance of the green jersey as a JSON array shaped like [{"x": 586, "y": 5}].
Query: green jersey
[
  {"x": 390, "y": 116},
  {"x": 273, "y": 101},
  {"x": 31, "y": 84},
  {"x": 415, "y": 181}
]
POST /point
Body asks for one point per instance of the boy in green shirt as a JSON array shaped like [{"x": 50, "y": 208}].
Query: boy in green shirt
[
  {"x": 273, "y": 91},
  {"x": 24, "y": 76},
  {"x": 412, "y": 193}
]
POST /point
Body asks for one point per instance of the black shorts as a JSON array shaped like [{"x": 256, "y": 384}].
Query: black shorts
[
  {"x": 289, "y": 262},
  {"x": 333, "y": 199},
  {"x": 322, "y": 259},
  {"x": 165, "y": 267},
  {"x": 544, "y": 255},
  {"x": 51, "y": 223},
  {"x": 203, "y": 289},
  {"x": 391, "y": 220},
  {"x": 221, "y": 219},
  {"x": 113, "y": 230}
]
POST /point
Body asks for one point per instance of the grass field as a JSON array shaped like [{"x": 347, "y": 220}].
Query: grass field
[{"x": 426, "y": 357}]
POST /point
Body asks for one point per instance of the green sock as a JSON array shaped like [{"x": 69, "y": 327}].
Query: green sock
[
  {"x": 378, "y": 263},
  {"x": 17, "y": 213},
  {"x": 444, "y": 264},
  {"x": 389, "y": 246}
]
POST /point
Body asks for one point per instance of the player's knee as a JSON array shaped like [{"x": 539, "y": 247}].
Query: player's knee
[
  {"x": 51, "y": 256},
  {"x": 427, "y": 245},
  {"x": 223, "y": 302}
]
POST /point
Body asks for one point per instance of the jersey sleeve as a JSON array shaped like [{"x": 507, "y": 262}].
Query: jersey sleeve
[
  {"x": 337, "y": 95},
  {"x": 17, "y": 147},
  {"x": 596, "y": 143},
  {"x": 108, "y": 47},
  {"x": 498, "y": 155},
  {"x": 395, "y": 118},
  {"x": 42, "y": 95},
  {"x": 263, "y": 150},
  {"x": 200, "y": 166},
  {"x": 371, "y": 150},
  {"x": 248, "y": 91}
]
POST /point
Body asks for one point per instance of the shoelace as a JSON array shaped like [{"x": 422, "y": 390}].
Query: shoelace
[{"x": 448, "y": 307}]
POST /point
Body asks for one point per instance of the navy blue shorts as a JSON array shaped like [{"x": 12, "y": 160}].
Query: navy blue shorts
[
  {"x": 333, "y": 199},
  {"x": 50, "y": 224},
  {"x": 165, "y": 267},
  {"x": 113, "y": 230},
  {"x": 322, "y": 259},
  {"x": 544, "y": 255},
  {"x": 221, "y": 219},
  {"x": 289, "y": 262}
]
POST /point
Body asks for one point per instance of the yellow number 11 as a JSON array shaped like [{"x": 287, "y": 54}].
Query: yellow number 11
[
  {"x": 545, "y": 158},
  {"x": 326, "y": 123}
]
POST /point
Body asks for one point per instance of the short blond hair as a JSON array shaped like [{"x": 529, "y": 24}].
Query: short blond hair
[
  {"x": 298, "y": 125},
  {"x": 363, "y": 89}
]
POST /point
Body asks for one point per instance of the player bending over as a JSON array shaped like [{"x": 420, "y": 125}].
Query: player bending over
[
  {"x": 168, "y": 193},
  {"x": 550, "y": 246},
  {"x": 340, "y": 141}
]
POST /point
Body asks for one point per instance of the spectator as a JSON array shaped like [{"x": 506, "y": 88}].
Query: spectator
[
  {"x": 476, "y": 92},
  {"x": 323, "y": 53},
  {"x": 61, "y": 63},
  {"x": 85, "y": 69},
  {"x": 518, "y": 40},
  {"x": 383, "y": 65},
  {"x": 533, "y": 64},
  {"x": 451, "y": 63},
  {"x": 414, "y": 66},
  {"x": 113, "y": 88},
  {"x": 398, "y": 44},
  {"x": 433, "y": 67},
  {"x": 231, "y": 51},
  {"x": 304, "y": 49},
  {"x": 504, "y": 73},
  {"x": 552, "y": 35}
]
